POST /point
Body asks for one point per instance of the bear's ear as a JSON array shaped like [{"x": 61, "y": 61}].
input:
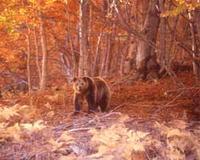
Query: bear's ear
[
  {"x": 85, "y": 79},
  {"x": 74, "y": 79}
]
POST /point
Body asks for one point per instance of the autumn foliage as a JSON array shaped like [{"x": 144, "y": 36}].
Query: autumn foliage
[{"x": 147, "y": 51}]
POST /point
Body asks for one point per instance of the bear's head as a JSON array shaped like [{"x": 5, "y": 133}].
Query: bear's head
[{"x": 80, "y": 85}]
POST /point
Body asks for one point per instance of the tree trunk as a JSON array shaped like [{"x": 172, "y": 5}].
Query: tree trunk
[
  {"x": 28, "y": 60},
  {"x": 97, "y": 57},
  {"x": 44, "y": 55},
  {"x": 194, "y": 34},
  {"x": 37, "y": 54},
  {"x": 128, "y": 66},
  {"x": 146, "y": 57},
  {"x": 162, "y": 36},
  {"x": 75, "y": 55},
  {"x": 83, "y": 35},
  {"x": 108, "y": 55},
  {"x": 104, "y": 56}
]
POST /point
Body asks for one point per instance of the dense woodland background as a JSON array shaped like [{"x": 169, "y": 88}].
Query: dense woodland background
[
  {"x": 44, "y": 40},
  {"x": 148, "y": 51}
]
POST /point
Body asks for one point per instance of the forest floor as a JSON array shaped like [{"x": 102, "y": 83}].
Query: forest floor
[{"x": 147, "y": 120}]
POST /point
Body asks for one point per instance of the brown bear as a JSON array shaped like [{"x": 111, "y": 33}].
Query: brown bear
[{"x": 95, "y": 90}]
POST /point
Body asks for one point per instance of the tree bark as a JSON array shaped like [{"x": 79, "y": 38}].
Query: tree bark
[
  {"x": 83, "y": 35},
  {"x": 44, "y": 55},
  {"x": 28, "y": 60},
  {"x": 104, "y": 56},
  {"x": 97, "y": 57},
  {"x": 130, "y": 57},
  {"x": 162, "y": 36},
  {"x": 194, "y": 34},
  {"x": 37, "y": 54},
  {"x": 108, "y": 55},
  {"x": 146, "y": 57}
]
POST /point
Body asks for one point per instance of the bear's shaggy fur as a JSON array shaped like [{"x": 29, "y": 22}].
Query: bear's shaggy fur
[{"x": 94, "y": 89}]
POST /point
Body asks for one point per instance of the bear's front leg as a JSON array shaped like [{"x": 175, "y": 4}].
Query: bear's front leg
[
  {"x": 91, "y": 103},
  {"x": 78, "y": 100}
]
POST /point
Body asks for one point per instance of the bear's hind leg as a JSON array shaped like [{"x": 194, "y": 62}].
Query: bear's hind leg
[
  {"x": 91, "y": 103},
  {"x": 104, "y": 104}
]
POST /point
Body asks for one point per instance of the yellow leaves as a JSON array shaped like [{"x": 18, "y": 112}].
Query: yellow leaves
[
  {"x": 173, "y": 132},
  {"x": 108, "y": 140},
  {"x": 179, "y": 140},
  {"x": 50, "y": 114},
  {"x": 55, "y": 144},
  {"x": 34, "y": 2},
  {"x": 66, "y": 2},
  {"x": 182, "y": 6},
  {"x": 49, "y": 2},
  {"x": 22, "y": 11},
  {"x": 53, "y": 98},
  {"x": 6, "y": 113},
  {"x": 25, "y": 112},
  {"x": 2, "y": 125},
  {"x": 2, "y": 19},
  {"x": 36, "y": 126},
  {"x": 123, "y": 118},
  {"x": 13, "y": 132},
  {"x": 180, "y": 1},
  {"x": 64, "y": 139},
  {"x": 68, "y": 157},
  {"x": 17, "y": 131}
]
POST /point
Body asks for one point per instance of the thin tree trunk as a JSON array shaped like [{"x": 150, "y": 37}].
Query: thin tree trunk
[
  {"x": 130, "y": 57},
  {"x": 75, "y": 56},
  {"x": 196, "y": 67},
  {"x": 28, "y": 60},
  {"x": 122, "y": 62},
  {"x": 44, "y": 55},
  {"x": 97, "y": 57},
  {"x": 83, "y": 35},
  {"x": 145, "y": 51},
  {"x": 162, "y": 36},
  {"x": 37, "y": 54},
  {"x": 108, "y": 55},
  {"x": 104, "y": 57},
  {"x": 89, "y": 47},
  {"x": 109, "y": 58}
]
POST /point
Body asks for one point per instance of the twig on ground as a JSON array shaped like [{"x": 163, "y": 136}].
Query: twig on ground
[
  {"x": 119, "y": 106},
  {"x": 169, "y": 103},
  {"x": 78, "y": 129},
  {"x": 104, "y": 116},
  {"x": 183, "y": 89},
  {"x": 174, "y": 99}
]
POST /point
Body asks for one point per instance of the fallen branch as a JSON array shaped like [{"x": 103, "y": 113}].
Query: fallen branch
[
  {"x": 78, "y": 129},
  {"x": 183, "y": 89},
  {"x": 119, "y": 106}
]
